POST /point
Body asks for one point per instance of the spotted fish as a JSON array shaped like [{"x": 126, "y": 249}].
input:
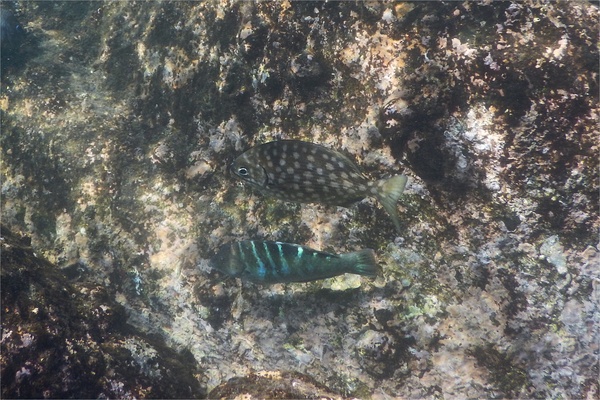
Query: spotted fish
[
  {"x": 277, "y": 262},
  {"x": 305, "y": 172}
]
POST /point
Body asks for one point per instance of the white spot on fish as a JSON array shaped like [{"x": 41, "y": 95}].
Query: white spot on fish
[{"x": 329, "y": 166}]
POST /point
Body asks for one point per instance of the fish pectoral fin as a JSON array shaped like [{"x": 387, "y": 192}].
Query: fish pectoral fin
[{"x": 266, "y": 181}]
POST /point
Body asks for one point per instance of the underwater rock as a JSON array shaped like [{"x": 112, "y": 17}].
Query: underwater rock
[
  {"x": 11, "y": 31},
  {"x": 306, "y": 68},
  {"x": 273, "y": 385},
  {"x": 117, "y": 136},
  {"x": 65, "y": 341},
  {"x": 12, "y": 37},
  {"x": 377, "y": 353}
]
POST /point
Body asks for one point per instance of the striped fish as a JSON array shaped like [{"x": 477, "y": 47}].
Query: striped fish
[
  {"x": 305, "y": 172},
  {"x": 277, "y": 262}
]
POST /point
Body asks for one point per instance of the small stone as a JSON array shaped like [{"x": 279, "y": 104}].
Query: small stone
[{"x": 554, "y": 253}]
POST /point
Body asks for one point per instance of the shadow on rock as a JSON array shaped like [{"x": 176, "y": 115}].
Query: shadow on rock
[{"x": 65, "y": 341}]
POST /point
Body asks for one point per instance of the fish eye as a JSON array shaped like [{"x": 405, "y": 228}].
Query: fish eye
[{"x": 243, "y": 171}]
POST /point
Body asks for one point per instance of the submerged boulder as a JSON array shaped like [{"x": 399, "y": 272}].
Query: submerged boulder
[{"x": 62, "y": 340}]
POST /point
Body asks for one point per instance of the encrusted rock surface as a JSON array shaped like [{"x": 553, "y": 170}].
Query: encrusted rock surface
[
  {"x": 119, "y": 120},
  {"x": 61, "y": 340},
  {"x": 272, "y": 385}
]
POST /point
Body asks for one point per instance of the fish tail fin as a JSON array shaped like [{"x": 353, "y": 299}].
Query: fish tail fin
[
  {"x": 362, "y": 262},
  {"x": 388, "y": 192}
]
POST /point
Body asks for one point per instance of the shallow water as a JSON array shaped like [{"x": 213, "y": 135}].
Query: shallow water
[{"x": 119, "y": 121}]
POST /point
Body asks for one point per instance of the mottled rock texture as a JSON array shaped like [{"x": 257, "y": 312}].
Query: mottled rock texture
[
  {"x": 272, "y": 385},
  {"x": 61, "y": 340},
  {"x": 120, "y": 118}
]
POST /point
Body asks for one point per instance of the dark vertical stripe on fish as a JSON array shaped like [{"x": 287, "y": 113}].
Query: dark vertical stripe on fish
[
  {"x": 242, "y": 254},
  {"x": 299, "y": 264},
  {"x": 275, "y": 270}
]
